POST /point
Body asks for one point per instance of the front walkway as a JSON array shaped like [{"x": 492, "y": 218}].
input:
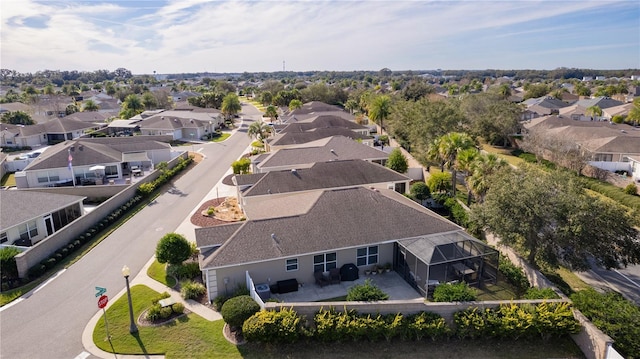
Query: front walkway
[{"x": 390, "y": 283}]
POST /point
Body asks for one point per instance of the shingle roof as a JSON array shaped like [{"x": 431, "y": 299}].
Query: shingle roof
[
  {"x": 338, "y": 219},
  {"x": 91, "y": 151},
  {"x": 321, "y": 121},
  {"x": 334, "y": 174},
  {"x": 321, "y": 151},
  {"x": 602, "y": 102},
  {"x": 315, "y": 106},
  {"x": 595, "y": 136},
  {"x": 292, "y": 138},
  {"x": 21, "y": 206}
]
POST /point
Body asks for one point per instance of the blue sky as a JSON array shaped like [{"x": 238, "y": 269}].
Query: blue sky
[{"x": 238, "y": 36}]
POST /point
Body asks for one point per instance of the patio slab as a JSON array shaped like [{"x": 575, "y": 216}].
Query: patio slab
[{"x": 390, "y": 283}]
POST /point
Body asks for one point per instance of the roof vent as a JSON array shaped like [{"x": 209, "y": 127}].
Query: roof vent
[
  {"x": 294, "y": 171},
  {"x": 273, "y": 236},
  {"x": 333, "y": 151},
  {"x": 175, "y": 120},
  {"x": 162, "y": 118}
]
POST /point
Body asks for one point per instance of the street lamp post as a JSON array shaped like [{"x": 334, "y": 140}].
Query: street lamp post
[{"x": 132, "y": 328}]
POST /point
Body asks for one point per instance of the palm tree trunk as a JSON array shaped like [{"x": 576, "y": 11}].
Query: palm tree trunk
[{"x": 453, "y": 181}]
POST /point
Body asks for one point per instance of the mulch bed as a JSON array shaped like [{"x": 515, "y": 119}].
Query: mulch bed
[
  {"x": 143, "y": 322},
  {"x": 205, "y": 221},
  {"x": 227, "y": 180},
  {"x": 234, "y": 337}
]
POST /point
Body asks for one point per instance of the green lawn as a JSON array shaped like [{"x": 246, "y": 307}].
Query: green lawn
[
  {"x": 223, "y": 136},
  {"x": 503, "y": 153},
  {"x": 500, "y": 291},
  {"x": 194, "y": 337},
  {"x": 188, "y": 337},
  {"x": 157, "y": 271},
  {"x": 9, "y": 179}
]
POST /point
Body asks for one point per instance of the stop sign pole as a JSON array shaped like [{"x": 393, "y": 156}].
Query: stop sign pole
[{"x": 102, "y": 303}]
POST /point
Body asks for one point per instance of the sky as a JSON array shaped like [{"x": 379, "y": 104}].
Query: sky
[{"x": 267, "y": 36}]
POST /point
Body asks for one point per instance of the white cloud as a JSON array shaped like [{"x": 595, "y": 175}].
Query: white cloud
[{"x": 236, "y": 36}]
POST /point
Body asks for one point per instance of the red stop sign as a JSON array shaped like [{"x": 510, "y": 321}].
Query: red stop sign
[{"x": 102, "y": 301}]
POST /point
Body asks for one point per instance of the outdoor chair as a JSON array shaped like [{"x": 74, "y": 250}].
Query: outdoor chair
[
  {"x": 321, "y": 280},
  {"x": 334, "y": 276}
]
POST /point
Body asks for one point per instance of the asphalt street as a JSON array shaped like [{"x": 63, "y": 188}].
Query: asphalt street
[
  {"x": 48, "y": 322},
  {"x": 624, "y": 280}
]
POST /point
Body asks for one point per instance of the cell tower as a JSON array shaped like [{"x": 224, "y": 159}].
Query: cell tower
[{"x": 282, "y": 65}]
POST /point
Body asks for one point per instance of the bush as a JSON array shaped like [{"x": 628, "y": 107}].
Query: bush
[
  {"x": 366, "y": 292},
  {"x": 514, "y": 275},
  {"x": 178, "y": 308},
  {"x": 241, "y": 166},
  {"x": 458, "y": 214},
  {"x": 219, "y": 301},
  {"x": 426, "y": 324},
  {"x": 166, "y": 312},
  {"x": 153, "y": 313},
  {"x": 160, "y": 297},
  {"x": 419, "y": 191},
  {"x": 459, "y": 292},
  {"x": 185, "y": 271},
  {"x": 173, "y": 248},
  {"x": 192, "y": 290},
  {"x": 37, "y": 270},
  {"x": 8, "y": 268},
  {"x": 540, "y": 293},
  {"x": 631, "y": 189},
  {"x": 268, "y": 326},
  {"x": 615, "y": 316},
  {"x": 238, "y": 309},
  {"x": 512, "y": 321},
  {"x": 49, "y": 262}
]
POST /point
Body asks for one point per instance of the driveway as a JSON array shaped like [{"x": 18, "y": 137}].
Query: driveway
[{"x": 48, "y": 322}]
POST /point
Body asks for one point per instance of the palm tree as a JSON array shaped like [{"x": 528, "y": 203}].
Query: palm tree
[
  {"x": 351, "y": 105},
  {"x": 259, "y": 130},
  {"x": 593, "y": 111},
  {"x": 231, "y": 105},
  {"x": 90, "y": 105},
  {"x": 271, "y": 112},
  {"x": 295, "y": 104},
  {"x": 380, "y": 110},
  {"x": 464, "y": 162},
  {"x": 450, "y": 146},
  {"x": 481, "y": 169}
]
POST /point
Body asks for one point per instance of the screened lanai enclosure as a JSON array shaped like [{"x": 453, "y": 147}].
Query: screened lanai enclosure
[{"x": 427, "y": 261}]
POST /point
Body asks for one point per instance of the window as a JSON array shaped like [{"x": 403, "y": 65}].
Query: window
[
  {"x": 3, "y": 237},
  {"x": 367, "y": 256},
  {"x": 111, "y": 171},
  {"x": 603, "y": 157},
  {"x": 28, "y": 230},
  {"x": 48, "y": 177},
  {"x": 291, "y": 264},
  {"x": 324, "y": 262}
]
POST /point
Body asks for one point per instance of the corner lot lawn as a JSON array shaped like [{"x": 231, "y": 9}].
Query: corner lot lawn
[{"x": 193, "y": 337}]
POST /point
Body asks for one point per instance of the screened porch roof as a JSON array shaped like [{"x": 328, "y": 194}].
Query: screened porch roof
[{"x": 446, "y": 247}]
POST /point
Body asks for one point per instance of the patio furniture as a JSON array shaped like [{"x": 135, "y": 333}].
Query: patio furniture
[
  {"x": 321, "y": 280},
  {"x": 286, "y": 286},
  {"x": 334, "y": 276}
]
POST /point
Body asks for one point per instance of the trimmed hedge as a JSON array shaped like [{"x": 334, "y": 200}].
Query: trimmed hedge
[
  {"x": 76, "y": 243},
  {"x": 146, "y": 189},
  {"x": 219, "y": 301},
  {"x": 269, "y": 326},
  {"x": 615, "y": 316},
  {"x": 511, "y": 321},
  {"x": 236, "y": 310}
]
